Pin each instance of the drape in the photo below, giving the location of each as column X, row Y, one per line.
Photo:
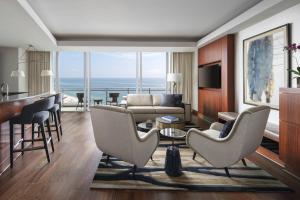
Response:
column 38, row 61
column 182, row 62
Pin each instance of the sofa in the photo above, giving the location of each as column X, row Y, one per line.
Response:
column 147, row 106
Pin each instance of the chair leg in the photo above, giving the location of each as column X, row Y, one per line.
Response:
column 227, row 172
column 11, row 144
column 22, row 136
column 45, row 141
column 59, row 120
column 50, row 134
column 244, row 162
column 32, row 133
column 194, row 155
column 134, row 171
column 39, row 131
column 56, row 126
column 107, row 159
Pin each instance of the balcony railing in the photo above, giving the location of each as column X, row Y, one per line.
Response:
column 70, row 95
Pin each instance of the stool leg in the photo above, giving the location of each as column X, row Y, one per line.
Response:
column 32, row 133
column 58, row 116
column 50, row 134
column 56, row 126
column 22, row 136
column 11, row 144
column 45, row 141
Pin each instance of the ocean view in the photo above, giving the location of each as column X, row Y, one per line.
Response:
column 99, row 86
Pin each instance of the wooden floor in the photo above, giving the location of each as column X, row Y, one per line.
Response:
column 74, row 163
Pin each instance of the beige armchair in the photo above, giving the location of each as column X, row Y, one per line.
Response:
column 116, row 135
column 244, row 138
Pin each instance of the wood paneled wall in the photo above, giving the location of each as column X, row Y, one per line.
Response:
column 211, row 101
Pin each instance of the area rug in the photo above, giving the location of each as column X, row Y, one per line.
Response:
column 198, row 175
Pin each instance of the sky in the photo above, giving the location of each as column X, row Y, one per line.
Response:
column 112, row 64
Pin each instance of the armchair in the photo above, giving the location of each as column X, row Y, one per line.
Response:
column 116, row 134
column 243, row 139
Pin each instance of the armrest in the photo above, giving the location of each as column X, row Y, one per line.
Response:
column 187, row 112
column 149, row 134
column 203, row 135
column 216, row 126
column 123, row 104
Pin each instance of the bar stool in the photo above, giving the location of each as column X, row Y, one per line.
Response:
column 36, row 112
column 55, row 112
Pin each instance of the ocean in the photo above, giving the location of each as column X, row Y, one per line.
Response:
column 101, row 87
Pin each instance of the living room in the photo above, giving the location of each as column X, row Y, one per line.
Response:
column 149, row 99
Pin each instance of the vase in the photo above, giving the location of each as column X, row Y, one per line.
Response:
column 298, row 82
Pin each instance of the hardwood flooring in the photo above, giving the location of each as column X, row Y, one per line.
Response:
column 74, row 163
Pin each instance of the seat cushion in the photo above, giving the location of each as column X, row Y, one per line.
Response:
column 142, row 109
column 40, row 117
column 139, row 100
column 168, row 110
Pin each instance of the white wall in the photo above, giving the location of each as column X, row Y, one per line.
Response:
column 8, row 62
column 291, row 15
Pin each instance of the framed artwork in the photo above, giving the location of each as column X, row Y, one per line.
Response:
column 265, row 67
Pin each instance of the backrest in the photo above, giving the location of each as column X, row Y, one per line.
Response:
column 114, row 96
column 114, row 131
column 80, row 97
column 248, row 130
column 139, row 100
column 156, row 99
column 28, row 111
column 58, row 98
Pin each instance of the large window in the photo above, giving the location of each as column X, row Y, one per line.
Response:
column 71, row 76
column 112, row 73
column 99, row 74
column 154, row 72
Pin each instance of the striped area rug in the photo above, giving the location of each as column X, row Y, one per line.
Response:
column 198, row 175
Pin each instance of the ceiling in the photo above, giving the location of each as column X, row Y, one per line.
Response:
column 178, row 20
column 17, row 29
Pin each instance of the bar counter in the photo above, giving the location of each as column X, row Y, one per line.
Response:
column 9, row 107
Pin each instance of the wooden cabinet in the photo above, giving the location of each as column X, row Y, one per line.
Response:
column 289, row 138
column 212, row 101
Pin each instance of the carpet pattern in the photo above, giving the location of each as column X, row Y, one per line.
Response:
column 198, row 175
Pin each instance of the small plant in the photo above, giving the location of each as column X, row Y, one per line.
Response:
column 293, row 48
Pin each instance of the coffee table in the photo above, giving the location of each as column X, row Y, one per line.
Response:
column 162, row 124
column 173, row 161
column 142, row 127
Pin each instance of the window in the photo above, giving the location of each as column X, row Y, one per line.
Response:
column 154, row 72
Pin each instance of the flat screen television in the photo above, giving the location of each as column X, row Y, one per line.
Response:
column 209, row 76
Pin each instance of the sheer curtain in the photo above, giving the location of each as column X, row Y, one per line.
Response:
column 38, row 61
column 182, row 62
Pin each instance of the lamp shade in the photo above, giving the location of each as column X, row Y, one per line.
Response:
column 174, row 77
column 46, row 73
column 17, row 73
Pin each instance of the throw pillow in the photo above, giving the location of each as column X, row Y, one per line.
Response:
column 171, row 100
column 167, row 100
column 226, row 129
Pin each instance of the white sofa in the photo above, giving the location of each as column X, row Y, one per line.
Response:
column 147, row 106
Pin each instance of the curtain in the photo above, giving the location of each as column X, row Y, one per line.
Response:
column 37, row 62
column 182, row 62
